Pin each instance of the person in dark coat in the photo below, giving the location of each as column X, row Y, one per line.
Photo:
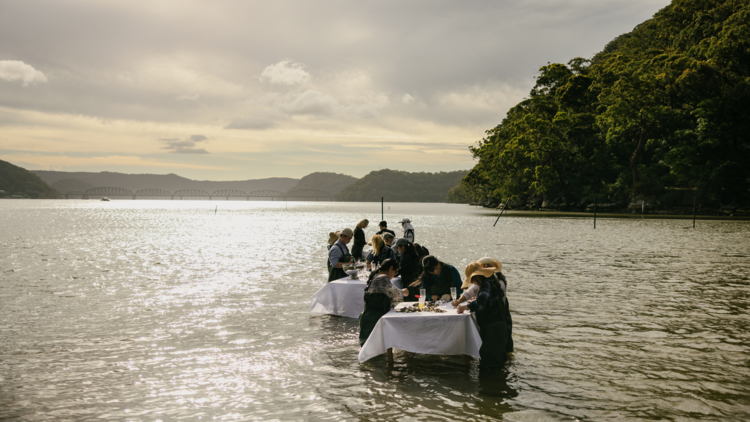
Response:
column 384, row 228
column 409, row 269
column 489, row 310
column 438, row 277
column 489, row 262
column 380, row 297
column 359, row 239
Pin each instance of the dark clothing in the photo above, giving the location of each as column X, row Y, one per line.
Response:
column 338, row 273
column 376, row 305
column 489, row 310
column 384, row 231
column 384, row 254
column 508, row 319
column 441, row 285
column 409, row 272
column 359, row 243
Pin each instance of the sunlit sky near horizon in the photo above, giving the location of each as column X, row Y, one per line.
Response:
column 235, row 90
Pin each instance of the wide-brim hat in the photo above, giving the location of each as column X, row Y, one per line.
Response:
column 489, row 262
column 405, row 220
column 475, row 268
column 333, row 237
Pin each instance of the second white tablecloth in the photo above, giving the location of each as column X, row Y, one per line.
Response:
column 429, row 333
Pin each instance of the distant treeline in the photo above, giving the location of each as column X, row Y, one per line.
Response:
column 401, row 186
column 664, row 107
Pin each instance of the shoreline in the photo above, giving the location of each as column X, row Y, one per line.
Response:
column 590, row 214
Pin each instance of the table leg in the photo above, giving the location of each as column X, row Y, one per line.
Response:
column 467, row 360
column 390, row 356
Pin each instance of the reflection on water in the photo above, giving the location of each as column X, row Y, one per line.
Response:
column 166, row 310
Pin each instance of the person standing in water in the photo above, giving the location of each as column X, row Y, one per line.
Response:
column 339, row 255
column 380, row 297
column 359, row 239
column 489, row 310
column 384, row 228
column 408, row 229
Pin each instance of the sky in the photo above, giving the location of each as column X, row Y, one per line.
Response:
column 235, row 90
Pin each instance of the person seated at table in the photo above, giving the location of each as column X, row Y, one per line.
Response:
column 489, row 310
column 409, row 269
column 470, row 290
column 380, row 297
column 380, row 252
column 359, row 239
column 384, row 229
column 339, row 255
column 489, row 262
column 438, row 278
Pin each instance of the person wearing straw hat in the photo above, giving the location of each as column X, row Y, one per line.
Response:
column 408, row 229
column 339, row 255
column 470, row 289
column 489, row 262
column 489, row 310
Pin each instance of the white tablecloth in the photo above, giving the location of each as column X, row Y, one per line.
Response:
column 342, row 297
column 449, row 333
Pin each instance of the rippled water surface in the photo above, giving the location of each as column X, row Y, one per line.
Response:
column 147, row 310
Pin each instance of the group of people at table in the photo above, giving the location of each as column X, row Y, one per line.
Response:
column 483, row 290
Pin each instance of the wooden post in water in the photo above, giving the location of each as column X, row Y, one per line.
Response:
column 381, row 210
column 595, row 211
column 501, row 212
column 693, row 211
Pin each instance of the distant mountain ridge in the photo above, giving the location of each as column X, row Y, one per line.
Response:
column 170, row 182
column 402, row 186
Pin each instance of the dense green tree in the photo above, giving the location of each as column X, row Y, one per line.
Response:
column 666, row 105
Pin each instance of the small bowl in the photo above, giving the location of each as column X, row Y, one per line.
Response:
column 352, row 273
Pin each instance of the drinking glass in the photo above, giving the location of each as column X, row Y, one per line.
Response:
column 422, row 295
column 453, row 293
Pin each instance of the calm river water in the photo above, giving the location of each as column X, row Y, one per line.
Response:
column 166, row 310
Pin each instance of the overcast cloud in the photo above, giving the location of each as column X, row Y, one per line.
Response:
column 281, row 88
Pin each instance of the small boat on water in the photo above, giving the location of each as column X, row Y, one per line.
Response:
column 105, row 199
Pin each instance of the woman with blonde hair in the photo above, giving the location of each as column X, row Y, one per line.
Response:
column 359, row 239
column 380, row 251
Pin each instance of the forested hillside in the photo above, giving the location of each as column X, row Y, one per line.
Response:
column 325, row 181
column 401, row 186
column 17, row 181
column 660, row 114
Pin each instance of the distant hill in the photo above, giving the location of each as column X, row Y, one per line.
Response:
column 170, row 182
column 402, row 186
column 15, row 180
column 69, row 185
column 329, row 182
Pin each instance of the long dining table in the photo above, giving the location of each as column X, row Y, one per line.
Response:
column 448, row 333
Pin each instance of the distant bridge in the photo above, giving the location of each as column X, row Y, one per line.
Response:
column 197, row 193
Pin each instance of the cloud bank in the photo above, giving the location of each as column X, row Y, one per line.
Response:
column 184, row 146
column 15, row 70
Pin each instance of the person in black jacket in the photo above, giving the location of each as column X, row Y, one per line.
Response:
column 359, row 239
column 409, row 269
column 384, row 229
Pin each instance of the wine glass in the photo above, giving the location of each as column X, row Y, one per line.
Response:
column 453, row 293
